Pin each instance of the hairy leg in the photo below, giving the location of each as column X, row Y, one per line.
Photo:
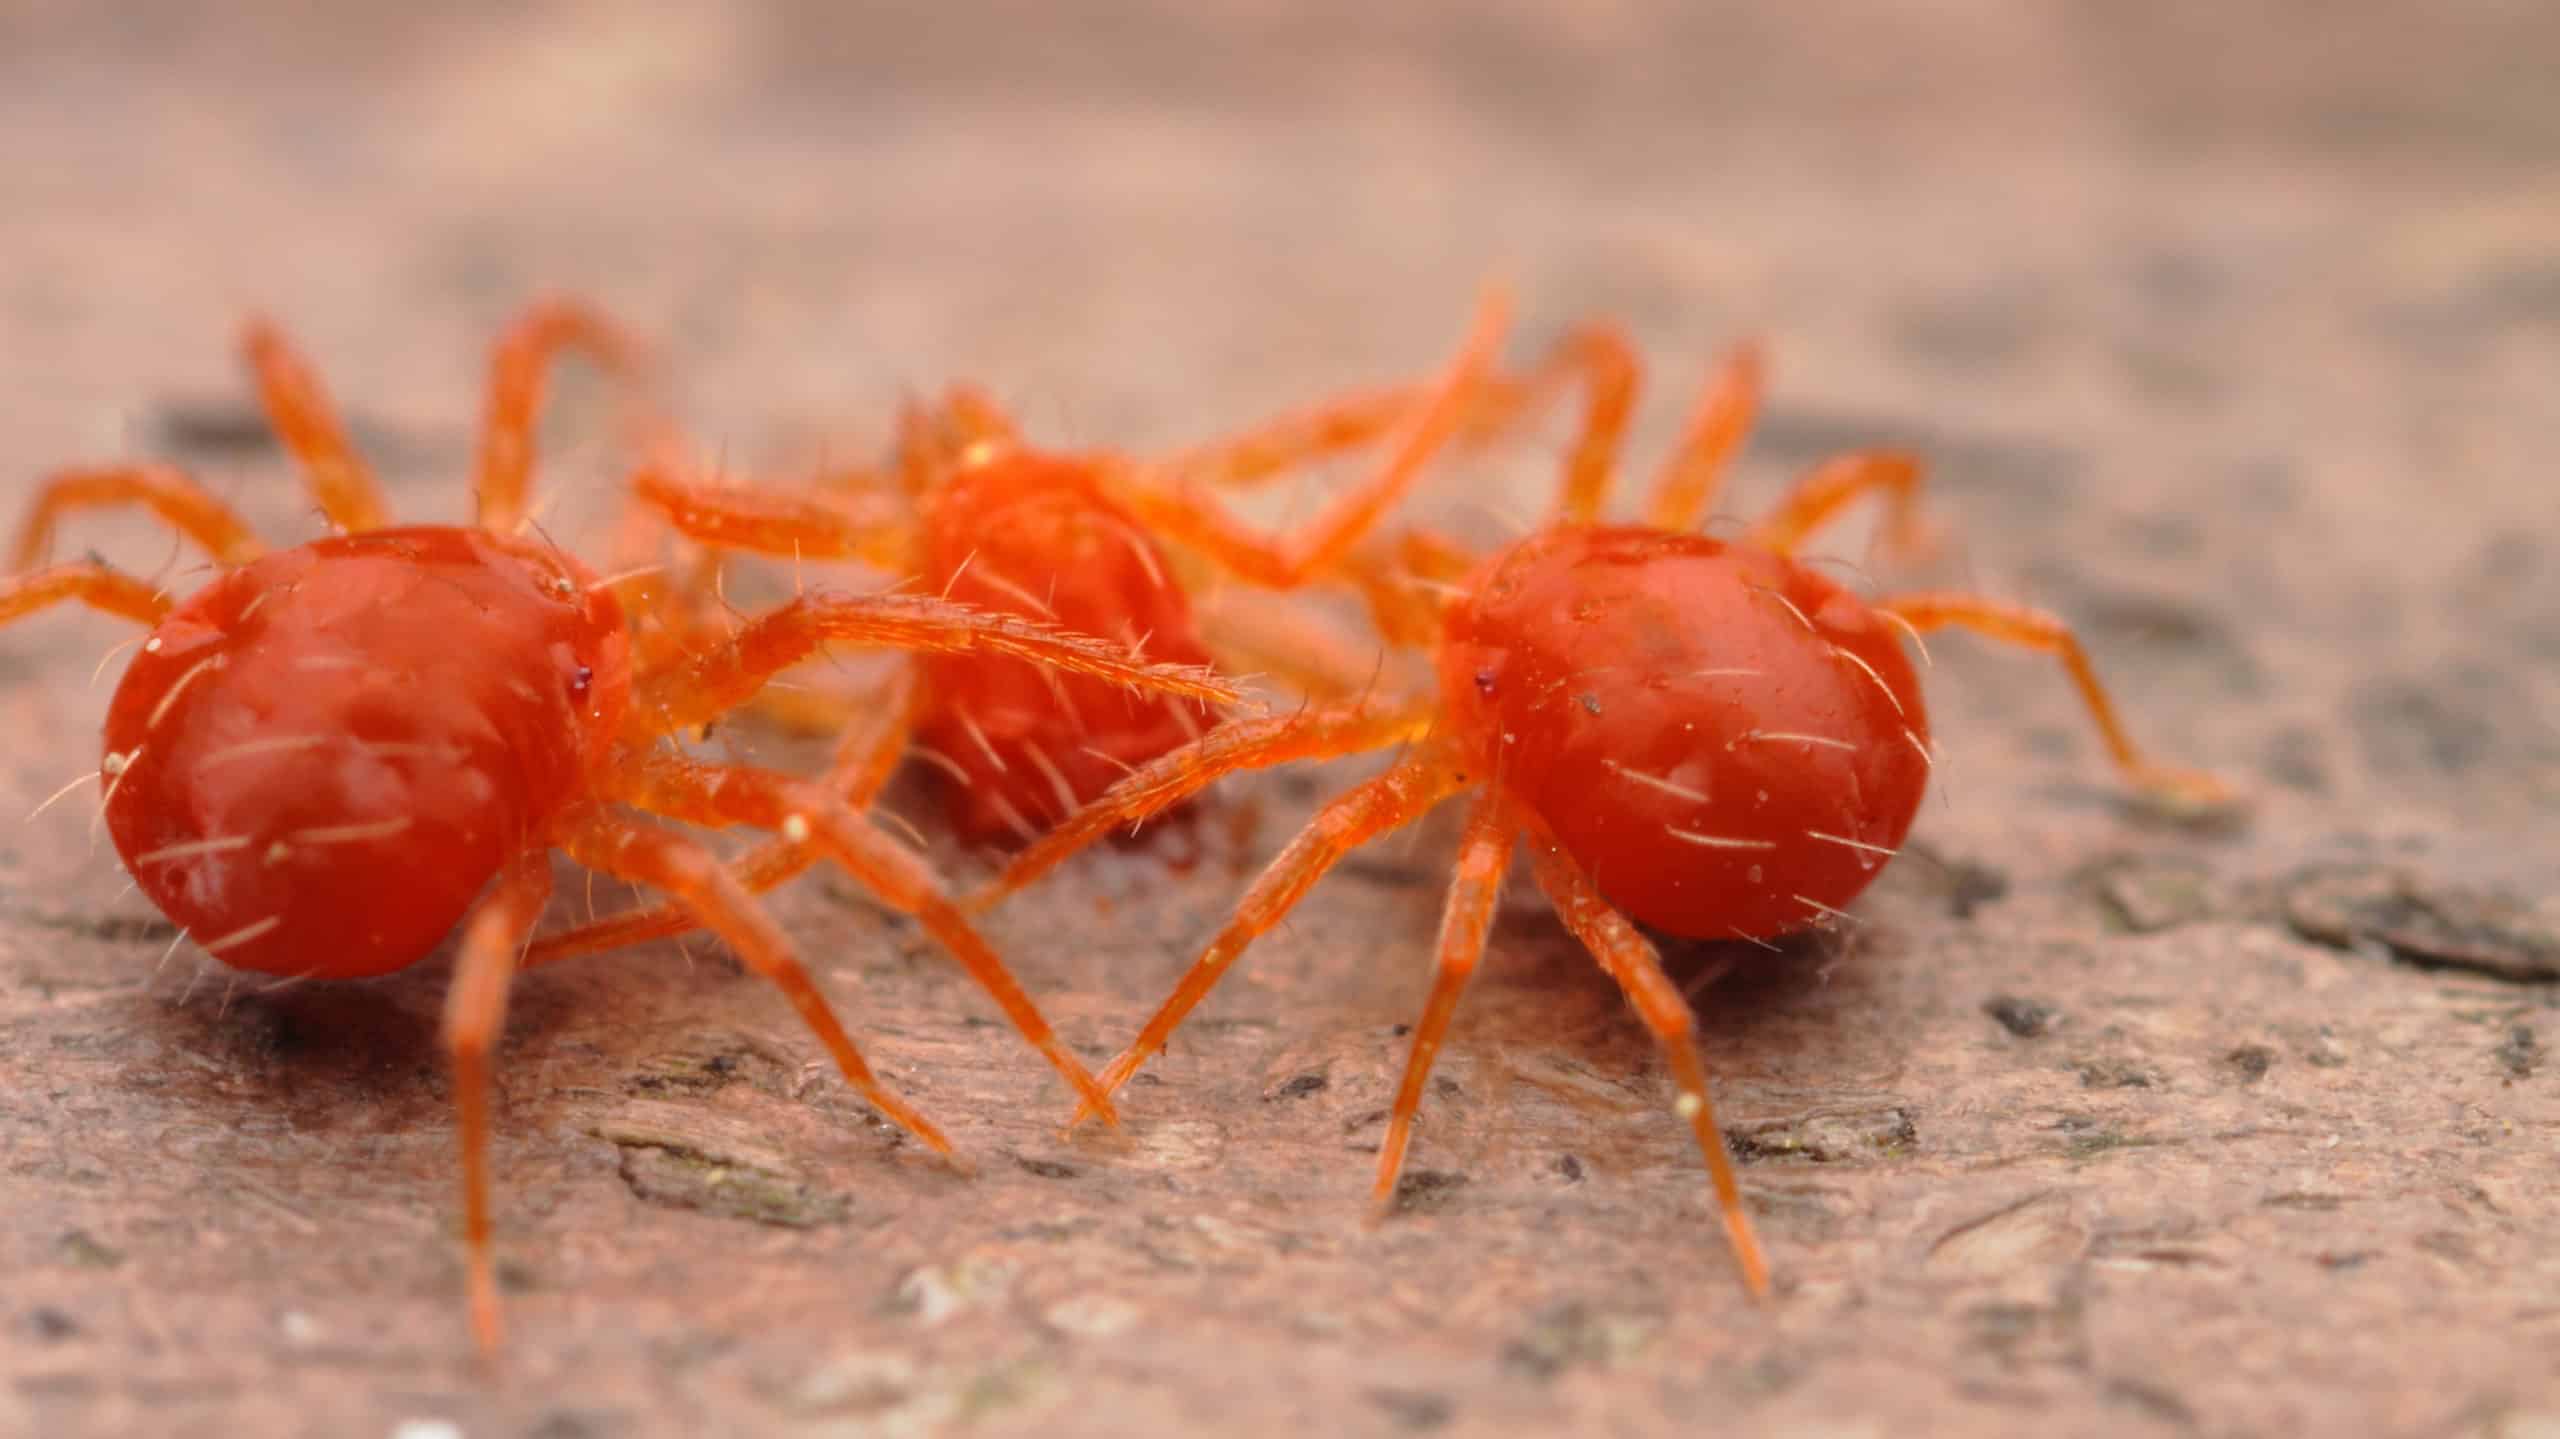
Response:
column 865, row 757
column 721, row 795
column 2036, row 630
column 1691, row 477
column 1404, row 793
column 1174, row 776
column 1484, row 855
column 309, row 426
column 518, row 371
column 663, row 859
column 696, row 689
column 179, row 500
column 100, row 587
column 1630, row 960
column 475, row 1013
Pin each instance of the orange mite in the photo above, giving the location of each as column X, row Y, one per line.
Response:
column 331, row 755
column 975, row 515
column 1703, row 736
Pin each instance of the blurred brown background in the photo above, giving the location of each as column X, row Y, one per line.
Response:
column 2236, row 338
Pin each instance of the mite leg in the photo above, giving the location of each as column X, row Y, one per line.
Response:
column 1817, row 499
column 518, row 371
column 1599, row 359
column 1189, row 516
column 1404, row 793
column 1260, row 633
column 2036, row 630
column 695, row 689
column 1178, row 774
column 1483, row 856
column 1630, row 960
column 722, row 795
column 874, row 527
column 1687, row 487
column 663, row 859
column 109, row 591
column 1408, row 584
column 475, row 1013
column 1595, row 358
column 1277, row 446
column 309, row 426
column 177, row 498
column 865, row 757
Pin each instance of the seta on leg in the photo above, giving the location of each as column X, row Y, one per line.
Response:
column 1174, row 776
column 177, row 498
column 2034, row 629
column 696, row 689
column 866, row 755
column 1484, row 855
column 1630, row 959
column 519, row 368
column 1693, row 475
column 663, row 859
column 475, row 1014
column 308, row 424
column 99, row 586
column 718, row 796
column 1401, row 795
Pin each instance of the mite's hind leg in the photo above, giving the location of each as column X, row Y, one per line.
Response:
column 1189, row 516
column 695, row 689
column 1630, row 959
column 518, row 370
column 1404, row 793
column 1817, row 499
column 665, row 860
column 177, row 498
column 1718, row 422
column 308, row 424
column 2036, row 630
column 865, row 757
column 100, row 587
column 475, row 1014
column 722, row 795
column 1174, row 776
column 1484, row 854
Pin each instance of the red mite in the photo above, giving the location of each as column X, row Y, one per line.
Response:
column 973, row 514
column 331, row 755
column 1710, row 738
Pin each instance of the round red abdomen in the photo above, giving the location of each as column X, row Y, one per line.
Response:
column 1029, row 534
column 318, row 761
column 1728, row 742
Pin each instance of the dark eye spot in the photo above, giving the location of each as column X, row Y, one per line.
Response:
column 1485, row 681
column 579, row 679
